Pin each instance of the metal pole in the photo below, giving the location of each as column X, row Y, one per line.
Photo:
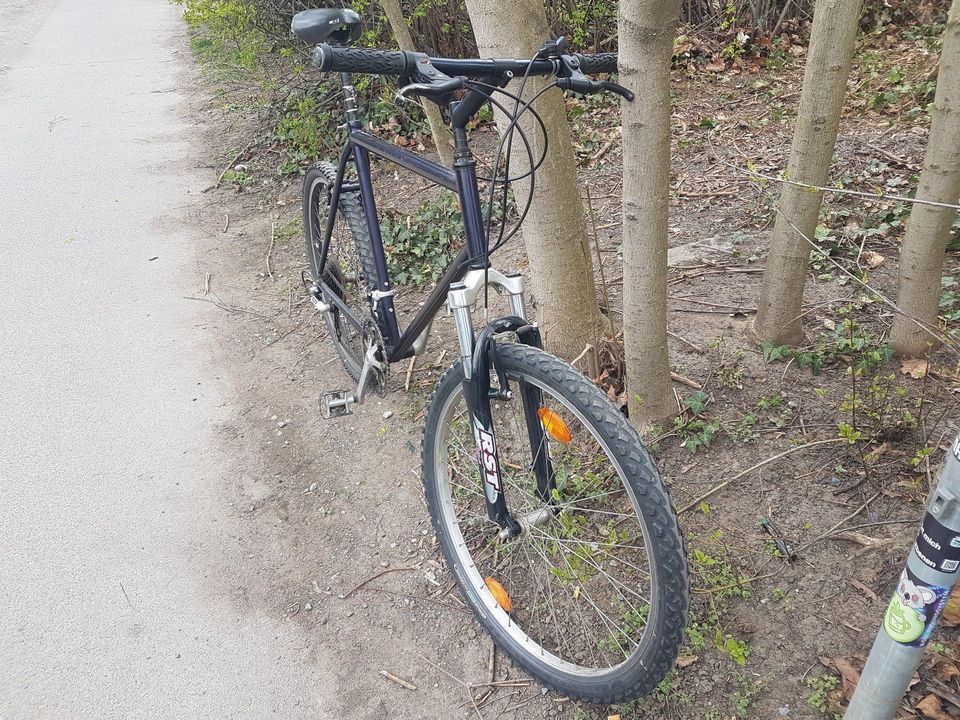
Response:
column 923, row 589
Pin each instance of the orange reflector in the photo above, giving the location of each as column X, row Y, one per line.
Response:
column 554, row 425
column 499, row 594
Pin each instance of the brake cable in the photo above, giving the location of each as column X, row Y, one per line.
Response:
column 497, row 179
column 504, row 238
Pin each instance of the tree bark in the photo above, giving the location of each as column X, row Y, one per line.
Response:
column 555, row 230
column 646, row 32
column 928, row 230
column 442, row 137
column 818, row 118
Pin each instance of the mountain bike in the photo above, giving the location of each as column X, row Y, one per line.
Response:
column 549, row 511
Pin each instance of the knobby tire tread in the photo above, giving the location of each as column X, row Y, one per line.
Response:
column 352, row 210
column 668, row 620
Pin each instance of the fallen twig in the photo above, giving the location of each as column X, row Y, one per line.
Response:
column 720, row 486
column 706, row 311
column 890, row 156
column 943, row 691
column 606, row 148
column 696, row 348
column 413, row 361
column 832, row 530
column 398, row 680
column 231, row 164
column 684, row 380
column 715, row 193
column 745, row 581
column 457, row 680
column 731, row 308
column 519, row 705
column 724, row 271
column 376, row 575
column 124, row 591
column 273, row 228
column 426, row 598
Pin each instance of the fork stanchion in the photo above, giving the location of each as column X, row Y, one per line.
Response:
column 923, row 589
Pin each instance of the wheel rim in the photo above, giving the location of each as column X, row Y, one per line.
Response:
column 343, row 271
column 580, row 606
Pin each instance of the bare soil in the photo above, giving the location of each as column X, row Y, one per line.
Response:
column 333, row 510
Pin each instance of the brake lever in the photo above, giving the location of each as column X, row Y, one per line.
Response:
column 430, row 90
column 613, row 87
column 585, row 87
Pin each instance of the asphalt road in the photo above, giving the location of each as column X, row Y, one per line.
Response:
column 116, row 550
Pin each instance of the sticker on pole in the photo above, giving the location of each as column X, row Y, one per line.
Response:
column 937, row 546
column 956, row 447
column 914, row 610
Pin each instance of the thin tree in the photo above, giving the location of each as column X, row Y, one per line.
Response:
column 928, row 231
column 831, row 49
column 646, row 32
column 555, row 230
column 438, row 128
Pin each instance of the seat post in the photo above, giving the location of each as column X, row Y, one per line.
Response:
column 349, row 99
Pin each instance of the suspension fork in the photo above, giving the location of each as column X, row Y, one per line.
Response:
column 479, row 358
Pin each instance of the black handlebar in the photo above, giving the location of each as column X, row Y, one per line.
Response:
column 599, row 63
column 400, row 63
column 361, row 60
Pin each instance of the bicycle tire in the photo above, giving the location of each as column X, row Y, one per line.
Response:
column 317, row 185
column 662, row 636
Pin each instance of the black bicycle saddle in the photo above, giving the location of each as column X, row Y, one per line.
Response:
column 337, row 26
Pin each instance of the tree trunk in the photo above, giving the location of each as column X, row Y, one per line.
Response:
column 438, row 128
column 555, row 230
column 928, row 231
column 646, row 31
column 818, row 117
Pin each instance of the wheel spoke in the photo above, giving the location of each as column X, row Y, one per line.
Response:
column 560, row 571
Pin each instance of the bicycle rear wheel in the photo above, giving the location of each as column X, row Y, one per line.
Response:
column 349, row 270
column 596, row 583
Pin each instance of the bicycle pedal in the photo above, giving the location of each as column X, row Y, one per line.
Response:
column 336, row 403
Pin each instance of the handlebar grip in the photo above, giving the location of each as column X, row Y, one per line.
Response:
column 361, row 60
column 599, row 63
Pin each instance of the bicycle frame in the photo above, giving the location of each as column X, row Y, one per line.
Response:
column 466, row 276
column 462, row 179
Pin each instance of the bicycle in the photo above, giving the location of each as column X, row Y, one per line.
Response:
column 549, row 511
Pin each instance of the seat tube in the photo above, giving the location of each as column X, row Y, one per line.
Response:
column 383, row 296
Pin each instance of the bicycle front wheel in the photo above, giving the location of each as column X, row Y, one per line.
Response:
column 591, row 598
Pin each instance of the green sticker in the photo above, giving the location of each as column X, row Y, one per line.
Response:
column 914, row 610
column 901, row 622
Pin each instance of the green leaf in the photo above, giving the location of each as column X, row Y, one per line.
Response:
column 696, row 402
